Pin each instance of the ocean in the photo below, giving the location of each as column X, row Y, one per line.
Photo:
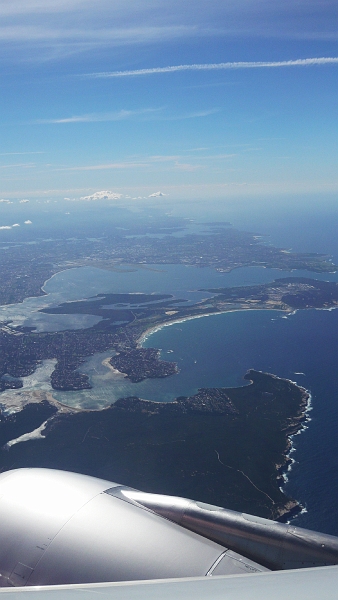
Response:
column 216, row 351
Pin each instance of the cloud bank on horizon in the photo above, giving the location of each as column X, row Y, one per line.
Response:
column 157, row 195
column 109, row 195
column 103, row 195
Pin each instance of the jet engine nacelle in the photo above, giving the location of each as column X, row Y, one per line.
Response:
column 63, row 528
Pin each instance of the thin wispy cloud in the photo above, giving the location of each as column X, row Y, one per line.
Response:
column 41, row 30
column 18, row 153
column 193, row 115
column 300, row 62
column 24, row 165
column 103, row 167
column 123, row 115
column 22, row 7
column 120, row 115
column 148, row 162
column 58, row 42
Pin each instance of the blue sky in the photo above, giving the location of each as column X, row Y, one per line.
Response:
column 88, row 103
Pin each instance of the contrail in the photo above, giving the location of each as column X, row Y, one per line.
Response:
column 300, row 62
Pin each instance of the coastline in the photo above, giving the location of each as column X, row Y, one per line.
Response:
column 290, row 461
column 119, row 374
column 154, row 328
column 297, row 426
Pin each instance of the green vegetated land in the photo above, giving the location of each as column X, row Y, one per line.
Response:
column 223, row 446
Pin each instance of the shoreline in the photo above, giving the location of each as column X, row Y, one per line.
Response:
column 286, row 313
column 290, row 461
column 154, row 328
column 294, row 507
column 106, row 363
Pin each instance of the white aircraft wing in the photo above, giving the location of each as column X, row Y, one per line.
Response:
column 65, row 536
column 320, row 583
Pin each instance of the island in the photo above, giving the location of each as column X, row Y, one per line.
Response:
column 226, row 446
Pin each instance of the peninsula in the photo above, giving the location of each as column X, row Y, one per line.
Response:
column 228, row 446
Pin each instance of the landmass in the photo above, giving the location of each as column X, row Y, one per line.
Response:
column 25, row 267
column 127, row 317
column 282, row 294
column 226, row 446
column 223, row 446
column 142, row 363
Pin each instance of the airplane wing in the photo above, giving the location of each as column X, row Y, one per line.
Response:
column 64, row 534
column 319, row 583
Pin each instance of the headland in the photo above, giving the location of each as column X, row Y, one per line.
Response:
column 223, row 445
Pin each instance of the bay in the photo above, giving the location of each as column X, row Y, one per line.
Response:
column 217, row 351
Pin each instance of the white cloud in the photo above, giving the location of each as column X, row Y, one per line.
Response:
column 18, row 153
column 146, row 162
column 23, row 201
column 10, row 226
column 103, row 195
column 191, row 115
column 4, row 201
column 157, row 195
column 120, row 115
column 300, row 62
column 61, row 40
column 55, row 29
column 28, row 222
column 124, row 165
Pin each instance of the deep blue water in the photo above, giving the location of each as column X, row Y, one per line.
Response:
column 225, row 346
column 218, row 350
